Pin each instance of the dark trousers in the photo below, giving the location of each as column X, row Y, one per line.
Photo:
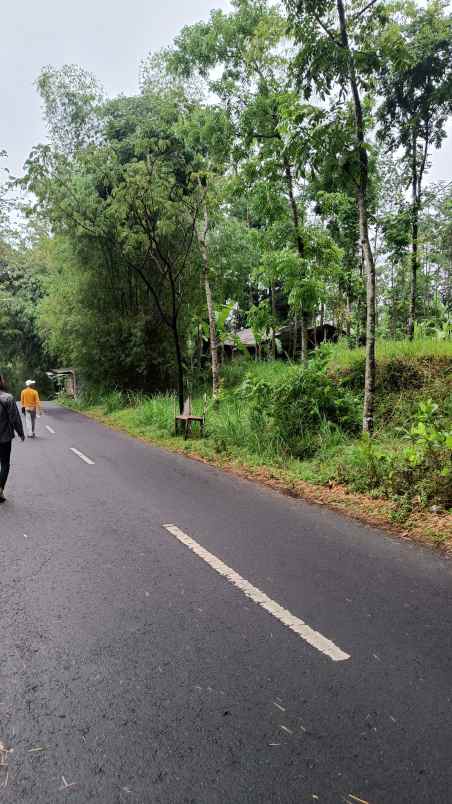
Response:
column 5, row 456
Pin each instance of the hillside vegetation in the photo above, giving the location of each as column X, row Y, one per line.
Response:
column 271, row 175
column 266, row 190
column 305, row 421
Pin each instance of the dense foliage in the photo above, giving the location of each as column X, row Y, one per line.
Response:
column 302, row 424
column 293, row 409
column 271, row 173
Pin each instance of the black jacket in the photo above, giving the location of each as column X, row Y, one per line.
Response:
column 9, row 418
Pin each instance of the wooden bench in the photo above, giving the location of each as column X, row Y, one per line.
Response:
column 187, row 418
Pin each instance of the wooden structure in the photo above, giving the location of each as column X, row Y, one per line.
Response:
column 321, row 333
column 186, row 418
column 286, row 336
column 248, row 341
column 66, row 379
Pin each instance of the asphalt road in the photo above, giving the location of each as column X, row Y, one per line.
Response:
column 141, row 664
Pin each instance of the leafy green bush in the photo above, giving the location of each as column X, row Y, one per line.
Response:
column 423, row 471
column 307, row 418
column 416, row 476
column 294, row 408
column 365, row 466
column 228, row 426
column 397, row 374
column 232, row 373
column 85, row 399
column 157, row 413
column 113, row 401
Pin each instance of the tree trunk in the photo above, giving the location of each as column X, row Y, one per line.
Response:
column 393, row 325
column 414, row 243
column 202, row 240
column 301, row 251
column 369, row 383
column 273, row 312
column 294, row 208
column 348, row 322
column 361, row 310
column 295, row 337
column 449, row 288
column 180, row 366
column 200, row 349
column 304, row 336
column 300, row 247
column 213, row 338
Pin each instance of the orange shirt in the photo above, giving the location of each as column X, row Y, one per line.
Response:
column 29, row 398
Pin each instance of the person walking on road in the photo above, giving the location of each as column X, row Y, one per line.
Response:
column 10, row 422
column 31, row 406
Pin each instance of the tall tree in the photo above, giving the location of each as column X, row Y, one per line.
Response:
column 126, row 195
column 416, row 82
column 208, row 134
column 71, row 98
column 246, row 60
column 334, row 56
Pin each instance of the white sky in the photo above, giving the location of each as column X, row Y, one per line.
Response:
column 107, row 37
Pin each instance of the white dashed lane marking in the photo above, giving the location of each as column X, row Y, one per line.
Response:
column 304, row 631
column 82, row 456
column 50, row 429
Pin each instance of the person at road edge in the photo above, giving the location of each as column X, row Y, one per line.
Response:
column 31, row 406
column 10, row 422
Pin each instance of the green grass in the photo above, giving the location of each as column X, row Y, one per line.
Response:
column 408, row 372
column 234, row 373
column 342, row 357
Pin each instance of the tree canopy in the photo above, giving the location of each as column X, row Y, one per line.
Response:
column 271, row 173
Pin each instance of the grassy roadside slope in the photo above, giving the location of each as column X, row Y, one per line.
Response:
column 300, row 433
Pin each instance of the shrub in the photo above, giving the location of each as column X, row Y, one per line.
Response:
column 398, row 373
column 416, row 476
column 157, row 413
column 232, row 372
column 295, row 407
column 113, row 401
column 423, row 471
column 365, row 466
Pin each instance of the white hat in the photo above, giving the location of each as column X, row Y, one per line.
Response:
column 30, row 382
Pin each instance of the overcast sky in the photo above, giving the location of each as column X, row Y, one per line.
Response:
column 107, row 37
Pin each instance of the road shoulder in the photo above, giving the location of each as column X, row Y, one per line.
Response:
column 433, row 530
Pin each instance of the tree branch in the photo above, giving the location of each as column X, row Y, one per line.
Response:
column 363, row 10
column 424, row 161
column 327, row 31
column 149, row 285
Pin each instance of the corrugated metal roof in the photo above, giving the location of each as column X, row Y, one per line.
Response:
column 246, row 337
